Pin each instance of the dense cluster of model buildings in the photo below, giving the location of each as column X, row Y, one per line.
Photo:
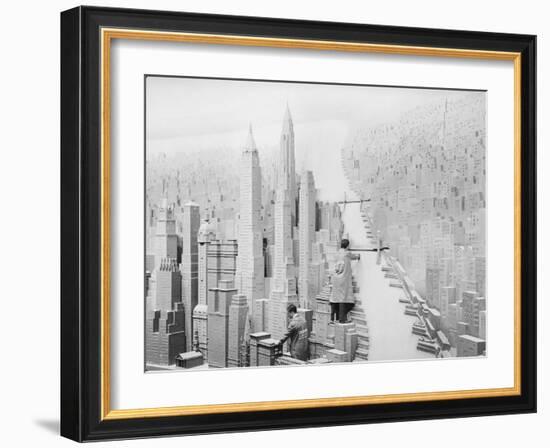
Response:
column 228, row 249
column 425, row 177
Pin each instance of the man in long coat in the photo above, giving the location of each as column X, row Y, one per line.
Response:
column 342, row 299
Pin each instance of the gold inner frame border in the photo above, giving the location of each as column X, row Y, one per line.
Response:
column 107, row 35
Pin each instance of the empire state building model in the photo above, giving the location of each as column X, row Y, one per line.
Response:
column 284, row 271
column 249, row 278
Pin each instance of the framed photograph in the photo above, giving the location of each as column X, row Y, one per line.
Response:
column 273, row 223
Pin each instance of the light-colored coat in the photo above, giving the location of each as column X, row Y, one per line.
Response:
column 342, row 289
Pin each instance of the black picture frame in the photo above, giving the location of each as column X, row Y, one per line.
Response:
column 81, row 224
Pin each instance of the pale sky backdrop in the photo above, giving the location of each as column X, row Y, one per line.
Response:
column 188, row 115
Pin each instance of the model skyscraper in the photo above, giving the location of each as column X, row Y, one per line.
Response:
column 249, row 278
column 206, row 234
column 189, row 267
column 283, row 289
column 286, row 170
column 218, row 323
column 238, row 330
column 165, row 326
column 306, row 238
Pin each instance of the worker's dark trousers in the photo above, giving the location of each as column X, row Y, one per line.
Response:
column 343, row 311
column 334, row 311
column 339, row 311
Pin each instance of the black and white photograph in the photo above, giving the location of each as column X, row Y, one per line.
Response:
column 298, row 224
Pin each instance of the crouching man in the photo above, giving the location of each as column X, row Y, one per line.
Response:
column 297, row 333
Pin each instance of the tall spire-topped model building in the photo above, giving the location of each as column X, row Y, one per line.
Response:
column 283, row 289
column 286, row 175
column 249, row 278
